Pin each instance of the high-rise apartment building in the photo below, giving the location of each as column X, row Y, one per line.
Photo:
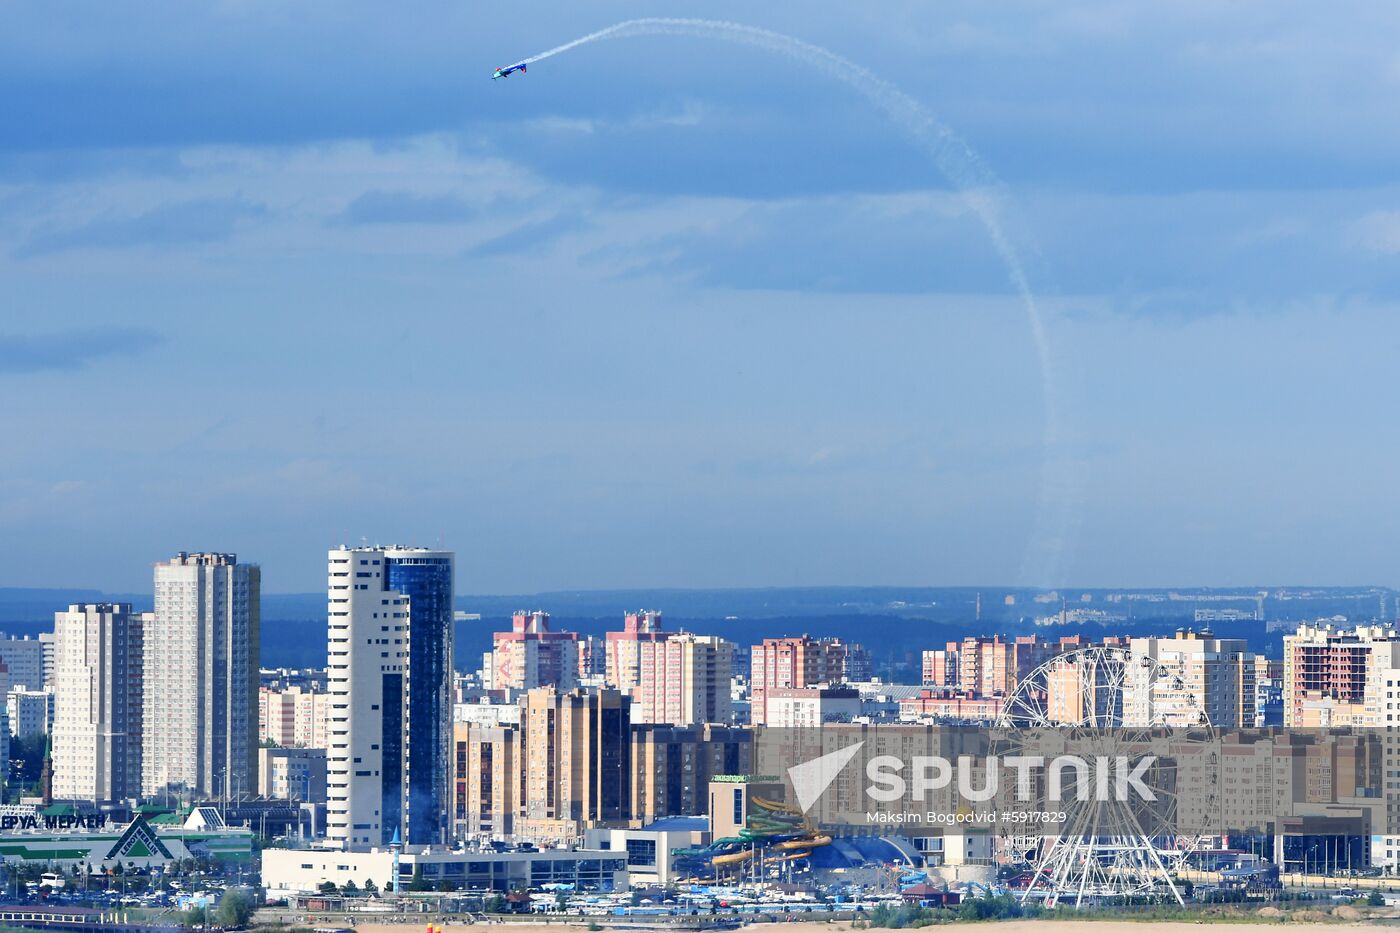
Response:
column 683, row 680
column 672, row 766
column 200, row 680
column 390, row 689
column 30, row 711
column 991, row 665
column 293, row 717
column 574, row 757
column 530, row 655
column 98, row 709
column 1268, row 691
column 623, row 648
column 4, row 733
column 48, row 651
column 592, row 660
column 487, row 786
column 802, row 661
column 1334, row 677
column 940, row 666
column 1199, row 678
column 27, row 658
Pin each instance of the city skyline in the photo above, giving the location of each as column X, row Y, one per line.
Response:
column 558, row 736
column 706, row 320
column 638, row 466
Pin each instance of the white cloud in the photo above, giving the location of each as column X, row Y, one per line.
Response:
column 1379, row 232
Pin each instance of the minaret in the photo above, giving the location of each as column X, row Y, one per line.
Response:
column 46, row 775
column 395, row 847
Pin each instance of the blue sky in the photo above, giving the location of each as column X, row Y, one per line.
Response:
column 667, row 311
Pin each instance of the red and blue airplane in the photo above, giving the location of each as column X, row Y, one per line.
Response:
column 505, row 72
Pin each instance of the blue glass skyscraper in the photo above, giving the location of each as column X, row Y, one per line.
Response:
column 390, row 679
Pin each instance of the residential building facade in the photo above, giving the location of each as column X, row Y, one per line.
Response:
column 530, row 655
column 292, row 774
column 683, row 680
column 574, row 748
column 1189, row 679
column 1335, row 677
column 99, row 715
column 802, row 661
column 200, row 679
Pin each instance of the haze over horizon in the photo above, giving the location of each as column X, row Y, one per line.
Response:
column 671, row 313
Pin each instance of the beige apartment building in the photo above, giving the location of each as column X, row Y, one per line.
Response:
column 563, row 770
column 487, row 786
column 1198, row 678
column 574, row 751
column 294, row 717
column 671, row 767
column 684, row 680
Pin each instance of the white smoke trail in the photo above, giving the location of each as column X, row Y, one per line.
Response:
column 985, row 194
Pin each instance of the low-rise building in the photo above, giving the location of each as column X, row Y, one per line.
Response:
column 651, row 850
column 879, row 701
column 944, row 705
column 292, row 774
column 486, row 714
column 811, row 706
column 298, row 871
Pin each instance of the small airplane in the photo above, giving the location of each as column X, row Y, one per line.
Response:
column 505, row 72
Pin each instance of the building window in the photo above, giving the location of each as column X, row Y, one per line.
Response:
column 641, row 852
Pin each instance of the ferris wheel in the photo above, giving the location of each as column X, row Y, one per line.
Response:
column 1104, row 704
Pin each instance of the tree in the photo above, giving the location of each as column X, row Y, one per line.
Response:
column 988, row 908
column 495, row 904
column 26, row 761
column 328, row 888
column 418, row 883
column 235, row 908
column 371, row 887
